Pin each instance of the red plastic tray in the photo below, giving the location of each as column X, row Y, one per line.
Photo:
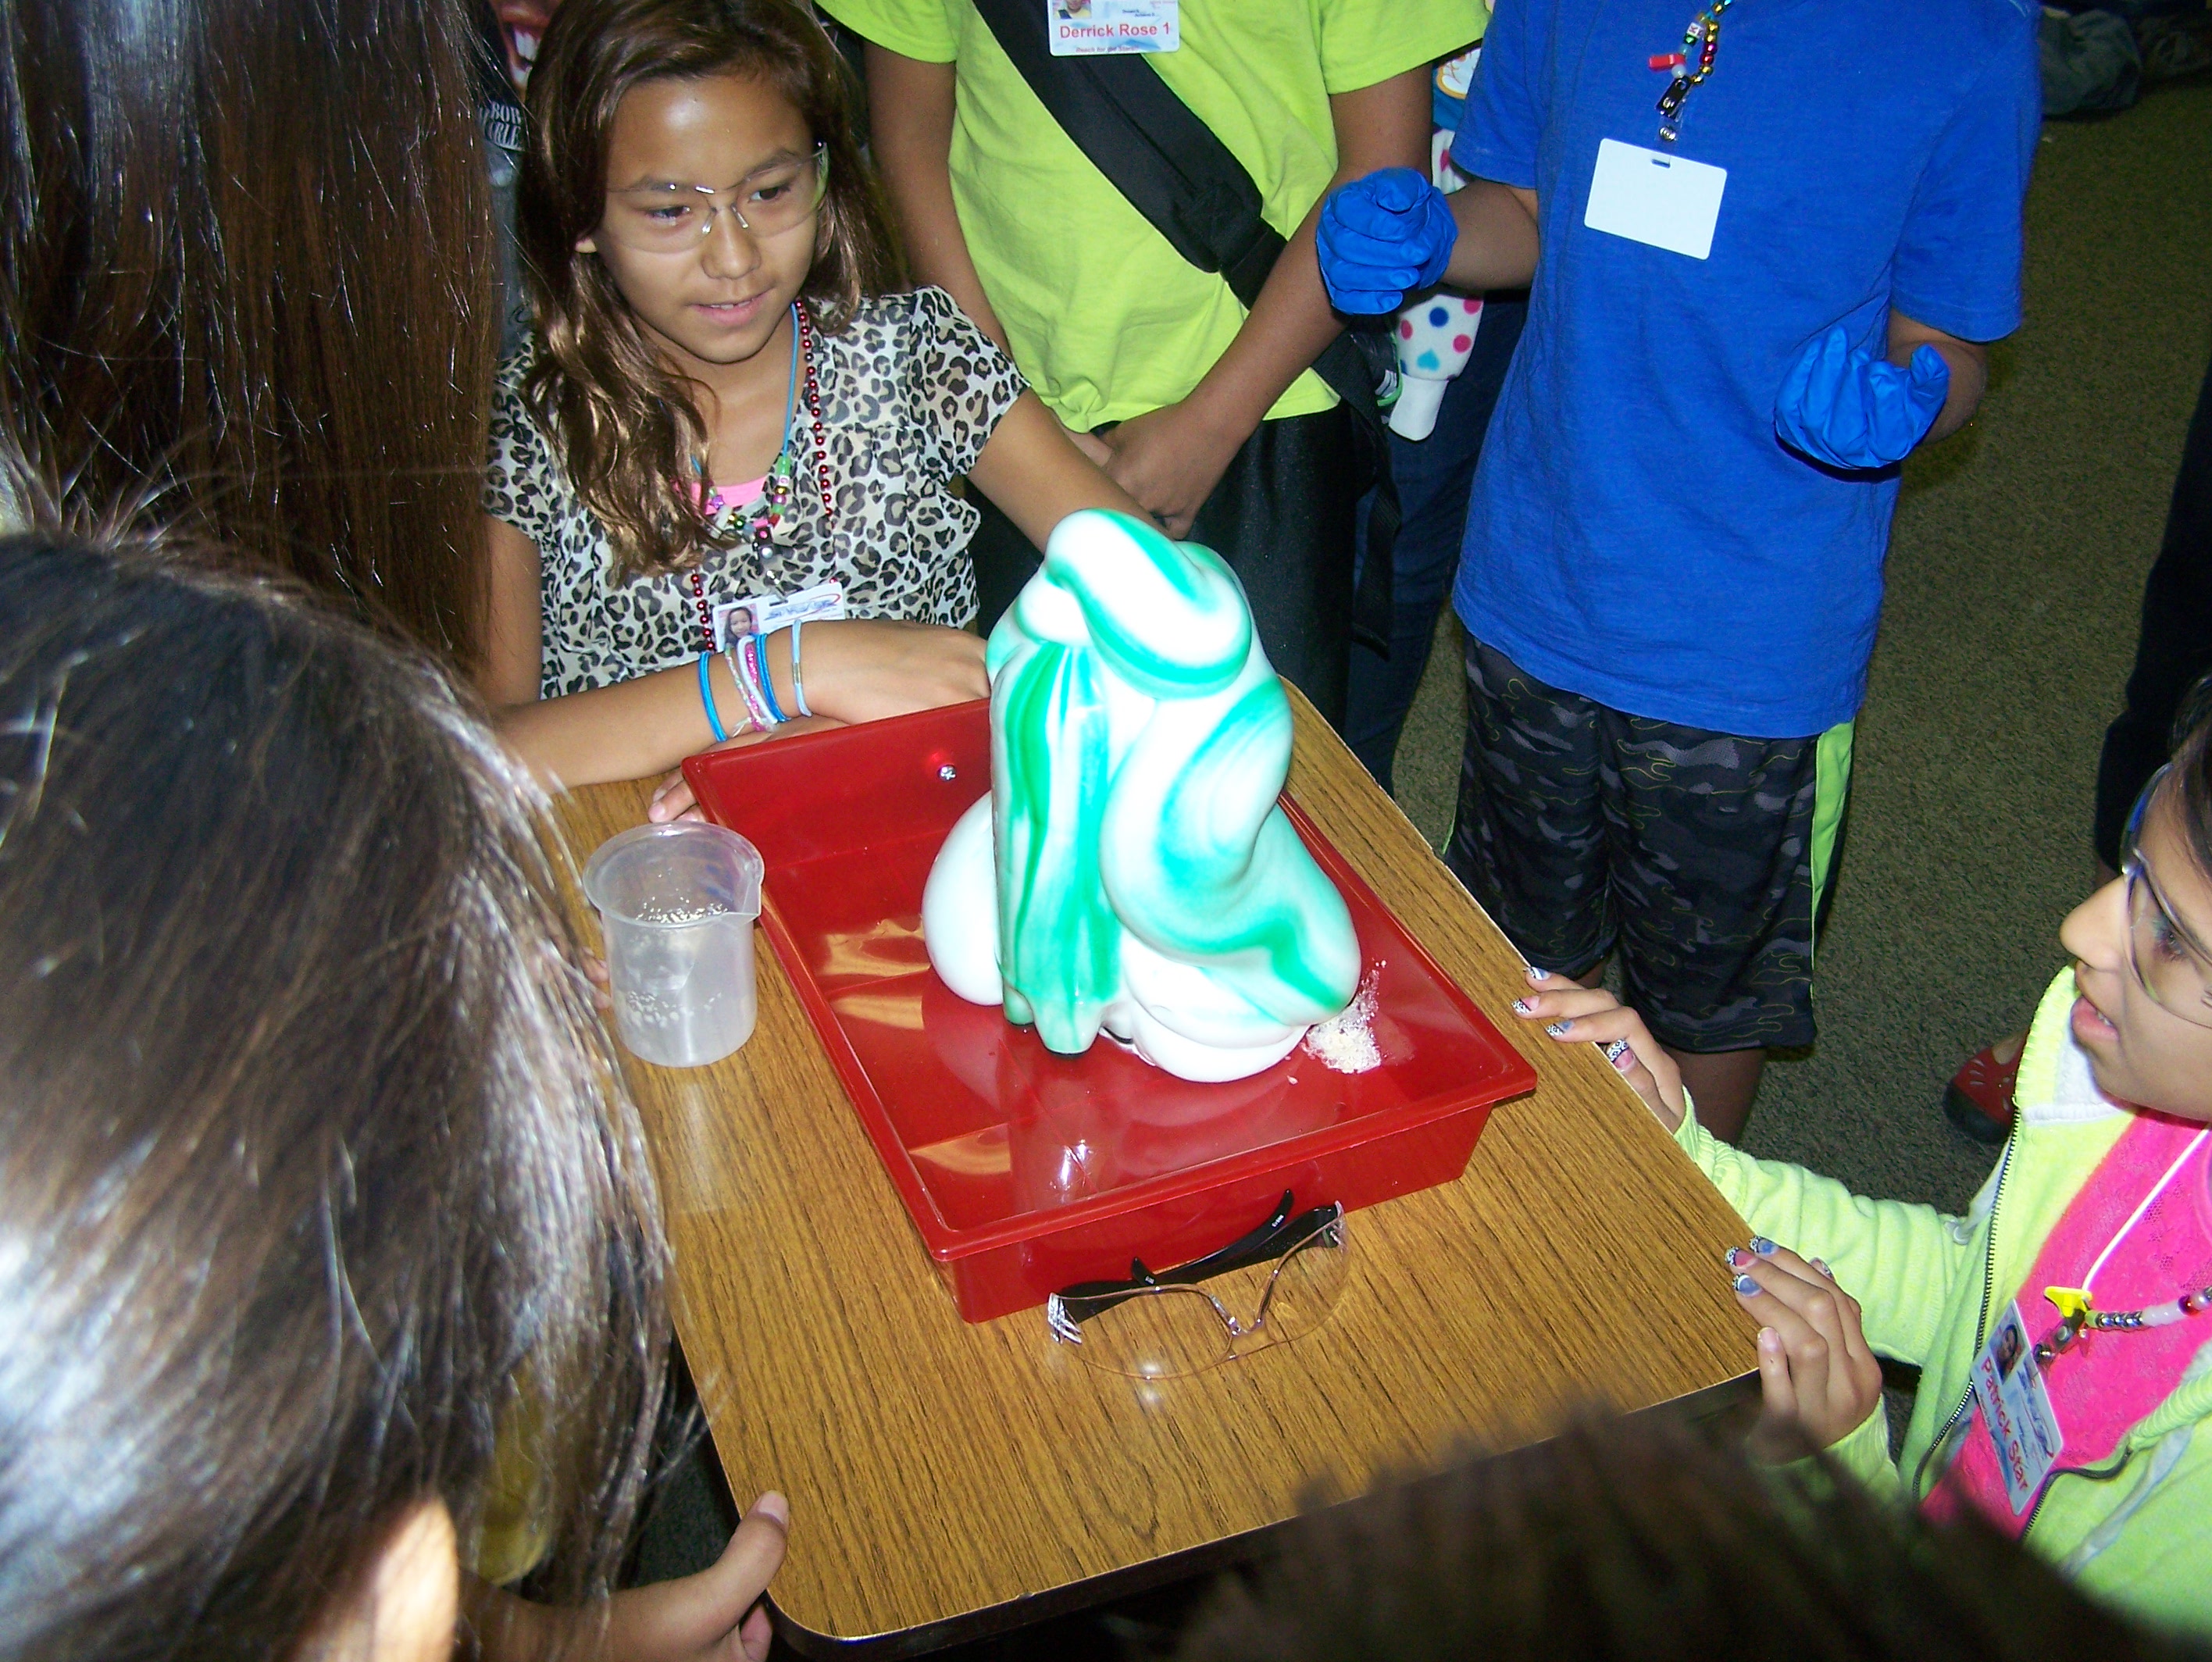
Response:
column 1025, row 1171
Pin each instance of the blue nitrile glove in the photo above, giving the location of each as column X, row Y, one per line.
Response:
column 1381, row 238
column 1853, row 409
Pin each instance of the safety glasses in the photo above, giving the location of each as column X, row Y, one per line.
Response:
column 1288, row 1273
column 661, row 219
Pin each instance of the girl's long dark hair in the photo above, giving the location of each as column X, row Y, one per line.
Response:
column 248, row 275
column 626, row 426
column 316, row 1175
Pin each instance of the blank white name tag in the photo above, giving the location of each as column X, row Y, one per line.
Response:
column 1667, row 201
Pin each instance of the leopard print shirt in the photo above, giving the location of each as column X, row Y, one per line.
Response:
column 911, row 391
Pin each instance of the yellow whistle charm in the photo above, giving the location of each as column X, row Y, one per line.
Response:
column 2072, row 1303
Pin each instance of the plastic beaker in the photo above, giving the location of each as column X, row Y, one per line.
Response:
column 677, row 904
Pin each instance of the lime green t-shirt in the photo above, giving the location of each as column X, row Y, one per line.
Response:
column 1105, row 319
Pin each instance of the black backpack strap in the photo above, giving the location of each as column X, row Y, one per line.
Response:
column 1173, row 169
column 1151, row 145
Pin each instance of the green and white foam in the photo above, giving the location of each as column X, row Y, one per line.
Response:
column 1131, row 872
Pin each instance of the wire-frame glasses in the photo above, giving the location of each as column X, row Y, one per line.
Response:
column 2170, row 963
column 1288, row 1273
column 662, row 219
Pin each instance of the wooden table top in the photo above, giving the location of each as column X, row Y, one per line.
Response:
column 948, row 1479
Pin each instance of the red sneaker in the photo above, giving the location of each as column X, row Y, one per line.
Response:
column 1979, row 1099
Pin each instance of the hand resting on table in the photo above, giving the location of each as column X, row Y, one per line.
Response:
column 1817, row 1381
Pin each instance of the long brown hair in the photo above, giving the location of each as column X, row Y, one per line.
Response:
column 249, row 276
column 315, row 1167
column 626, row 426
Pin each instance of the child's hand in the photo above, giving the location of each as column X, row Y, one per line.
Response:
column 865, row 669
column 672, row 798
column 716, row 1614
column 1576, row 1015
column 1381, row 238
column 1169, row 460
column 1855, row 409
column 1817, row 1378
column 602, row 980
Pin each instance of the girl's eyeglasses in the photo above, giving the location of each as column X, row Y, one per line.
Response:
column 2169, row 963
column 1161, row 1326
column 662, row 219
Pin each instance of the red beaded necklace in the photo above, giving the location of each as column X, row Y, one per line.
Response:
column 805, row 326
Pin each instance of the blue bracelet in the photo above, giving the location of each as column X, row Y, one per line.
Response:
column 707, row 697
column 768, row 681
column 798, row 685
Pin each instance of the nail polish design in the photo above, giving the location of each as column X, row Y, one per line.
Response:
column 1735, row 1257
column 1821, row 1265
column 1616, row 1049
column 1745, row 1285
column 1762, row 1245
column 1560, row 1028
column 1522, row 1007
column 1536, row 974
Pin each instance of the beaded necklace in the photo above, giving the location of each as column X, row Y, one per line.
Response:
column 1701, row 40
column 2073, row 1304
column 777, row 489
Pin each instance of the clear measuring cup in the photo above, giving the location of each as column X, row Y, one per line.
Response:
column 677, row 904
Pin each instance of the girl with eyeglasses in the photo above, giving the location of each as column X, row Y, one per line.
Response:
column 2063, row 1326
column 722, row 471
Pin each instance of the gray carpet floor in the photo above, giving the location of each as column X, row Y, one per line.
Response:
column 2016, row 576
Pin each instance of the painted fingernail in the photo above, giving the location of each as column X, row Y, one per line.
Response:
column 1560, row 1028
column 1536, row 974
column 1745, row 1285
column 1762, row 1245
column 1522, row 1007
column 1736, row 1257
column 1822, row 1266
column 1615, row 1051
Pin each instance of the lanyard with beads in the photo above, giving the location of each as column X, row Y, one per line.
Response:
column 1701, row 43
column 2074, row 1304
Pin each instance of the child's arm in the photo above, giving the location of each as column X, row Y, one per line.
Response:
column 1032, row 469
column 1967, row 361
column 855, row 669
column 1901, row 1260
column 1392, row 233
column 514, row 623
column 1170, row 459
column 910, row 108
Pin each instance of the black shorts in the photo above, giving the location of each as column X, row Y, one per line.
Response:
column 1700, row 858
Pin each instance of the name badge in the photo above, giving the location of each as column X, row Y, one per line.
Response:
column 2016, row 1409
column 1665, row 201
column 764, row 613
column 1089, row 29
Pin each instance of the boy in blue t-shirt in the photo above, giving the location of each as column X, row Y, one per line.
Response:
column 1760, row 269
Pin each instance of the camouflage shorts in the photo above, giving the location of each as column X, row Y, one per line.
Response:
column 1700, row 858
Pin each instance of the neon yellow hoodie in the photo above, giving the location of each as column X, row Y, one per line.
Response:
column 2136, row 1531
